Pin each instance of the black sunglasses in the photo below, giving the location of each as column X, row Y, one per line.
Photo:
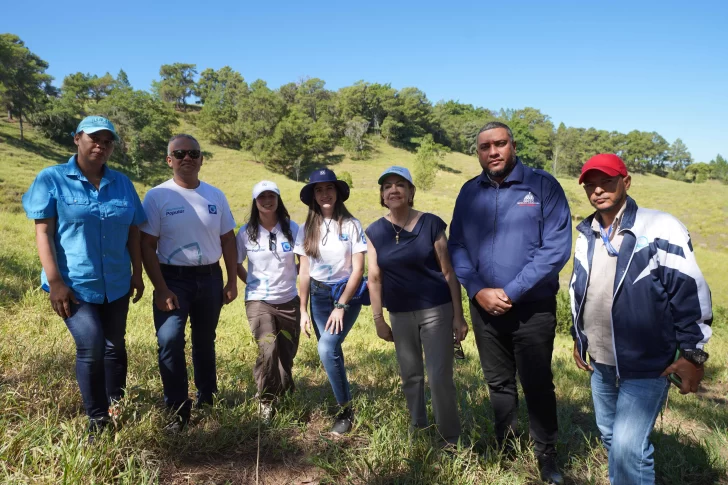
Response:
column 272, row 241
column 180, row 154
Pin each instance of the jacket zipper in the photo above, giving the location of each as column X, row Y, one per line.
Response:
column 583, row 298
column 495, row 228
column 611, row 316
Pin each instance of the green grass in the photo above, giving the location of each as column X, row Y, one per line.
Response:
column 42, row 422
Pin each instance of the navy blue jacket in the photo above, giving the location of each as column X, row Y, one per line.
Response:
column 515, row 236
column 661, row 301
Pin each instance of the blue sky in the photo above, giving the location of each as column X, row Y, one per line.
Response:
column 652, row 66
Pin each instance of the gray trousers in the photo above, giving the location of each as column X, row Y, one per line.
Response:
column 431, row 330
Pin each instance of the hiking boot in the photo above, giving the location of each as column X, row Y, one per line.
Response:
column 180, row 418
column 266, row 412
column 343, row 422
column 549, row 471
column 204, row 401
column 177, row 424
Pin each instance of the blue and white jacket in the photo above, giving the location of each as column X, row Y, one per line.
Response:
column 661, row 301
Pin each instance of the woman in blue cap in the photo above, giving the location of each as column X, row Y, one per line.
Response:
column 331, row 245
column 86, row 229
column 410, row 273
column 271, row 299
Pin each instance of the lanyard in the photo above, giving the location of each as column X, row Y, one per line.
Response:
column 605, row 238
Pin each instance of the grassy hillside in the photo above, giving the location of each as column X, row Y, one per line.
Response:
column 41, row 423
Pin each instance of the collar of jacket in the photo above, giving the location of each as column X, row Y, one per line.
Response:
column 628, row 219
column 516, row 176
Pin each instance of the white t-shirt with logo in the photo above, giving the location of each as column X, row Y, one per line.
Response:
column 334, row 265
column 271, row 274
column 188, row 223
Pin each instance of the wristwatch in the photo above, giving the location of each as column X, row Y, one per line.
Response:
column 341, row 306
column 696, row 356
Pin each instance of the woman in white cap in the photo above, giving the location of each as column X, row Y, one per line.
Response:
column 271, row 299
column 87, row 219
column 331, row 245
column 410, row 273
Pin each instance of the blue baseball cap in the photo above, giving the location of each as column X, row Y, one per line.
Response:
column 323, row 175
column 395, row 170
column 92, row 124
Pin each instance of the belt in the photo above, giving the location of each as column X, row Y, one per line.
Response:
column 190, row 270
column 318, row 284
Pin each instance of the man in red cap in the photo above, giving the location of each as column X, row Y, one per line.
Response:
column 641, row 311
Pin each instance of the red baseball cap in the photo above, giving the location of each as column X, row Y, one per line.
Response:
column 604, row 162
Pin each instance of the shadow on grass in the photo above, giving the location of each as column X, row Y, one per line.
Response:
column 447, row 169
column 678, row 461
column 41, row 150
column 16, row 277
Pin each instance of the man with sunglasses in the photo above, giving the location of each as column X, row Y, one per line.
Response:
column 189, row 226
column 637, row 297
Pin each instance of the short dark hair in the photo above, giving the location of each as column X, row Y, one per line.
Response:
column 177, row 137
column 492, row 125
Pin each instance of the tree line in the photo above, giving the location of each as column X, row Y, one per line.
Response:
column 301, row 123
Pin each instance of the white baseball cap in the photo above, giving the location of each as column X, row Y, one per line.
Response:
column 263, row 186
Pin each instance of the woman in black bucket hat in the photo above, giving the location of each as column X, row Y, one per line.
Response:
column 331, row 245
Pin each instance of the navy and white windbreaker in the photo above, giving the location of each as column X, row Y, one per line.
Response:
column 661, row 301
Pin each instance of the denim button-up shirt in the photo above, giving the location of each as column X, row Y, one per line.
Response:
column 92, row 228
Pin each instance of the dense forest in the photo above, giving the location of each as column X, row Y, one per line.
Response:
column 302, row 122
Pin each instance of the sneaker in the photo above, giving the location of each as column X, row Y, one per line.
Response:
column 549, row 471
column 266, row 412
column 96, row 426
column 343, row 422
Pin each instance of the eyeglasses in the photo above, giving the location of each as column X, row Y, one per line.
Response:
column 180, row 154
column 459, row 353
column 272, row 241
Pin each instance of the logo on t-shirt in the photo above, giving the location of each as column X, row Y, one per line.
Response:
column 174, row 210
column 528, row 200
column 344, row 237
column 212, row 208
column 363, row 238
column 286, row 247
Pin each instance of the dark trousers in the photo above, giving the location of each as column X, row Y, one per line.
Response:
column 522, row 340
column 98, row 330
column 276, row 328
column 200, row 298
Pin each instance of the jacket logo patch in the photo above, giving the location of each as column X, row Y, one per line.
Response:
column 212, row 208
column 286, row 246
column 529, row 201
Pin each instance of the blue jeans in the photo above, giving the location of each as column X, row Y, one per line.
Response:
column 625, row 417
column 98, row 330
column 329, row 346
column 200, row 298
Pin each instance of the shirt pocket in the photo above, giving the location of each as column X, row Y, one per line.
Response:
column 73, row 208
column 120, row 211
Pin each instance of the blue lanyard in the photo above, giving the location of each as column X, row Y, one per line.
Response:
column 605, row 238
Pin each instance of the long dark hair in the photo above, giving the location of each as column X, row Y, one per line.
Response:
column 314, row 220
column 284, row 219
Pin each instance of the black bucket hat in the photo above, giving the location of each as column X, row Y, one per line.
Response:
column 323, row 175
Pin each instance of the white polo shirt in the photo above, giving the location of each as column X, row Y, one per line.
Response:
column 188, row 223
column 271, row 274
column 334, row 265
